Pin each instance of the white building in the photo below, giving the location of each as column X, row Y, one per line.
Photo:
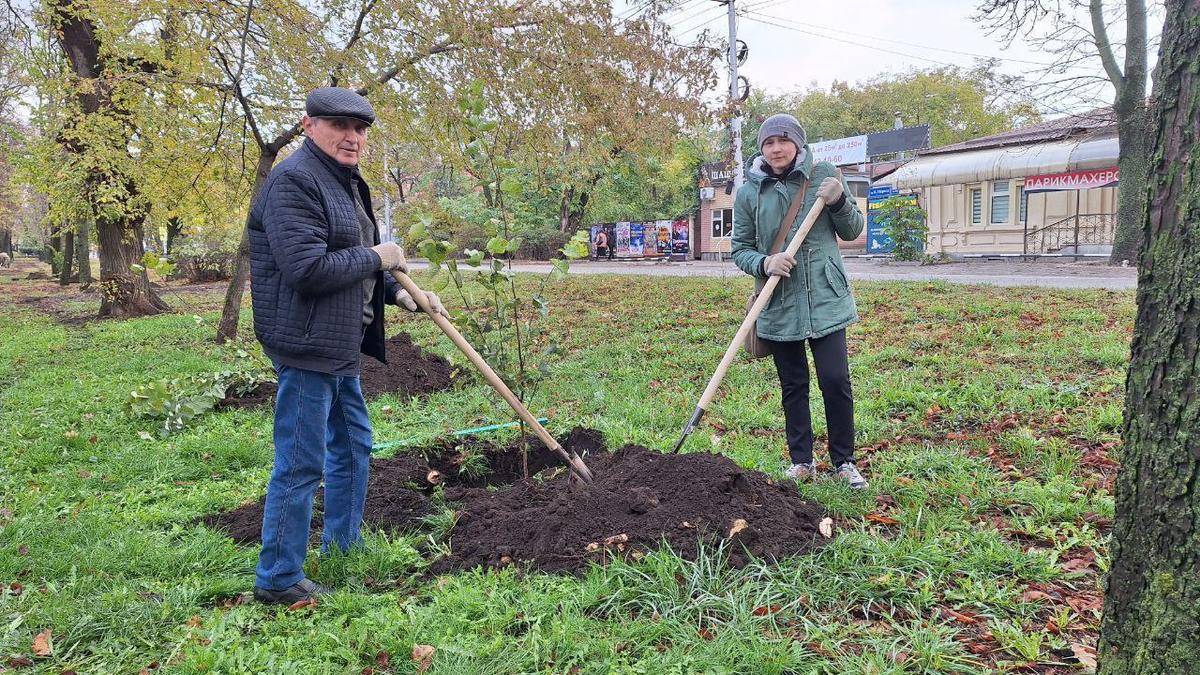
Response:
column 1015, row 192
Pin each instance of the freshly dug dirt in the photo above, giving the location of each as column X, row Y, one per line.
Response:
column 398, row 487
column 639, row 499
column 410, row 371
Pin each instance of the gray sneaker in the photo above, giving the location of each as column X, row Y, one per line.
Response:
column 801, row 472
column 305, row 589
column 849, row 473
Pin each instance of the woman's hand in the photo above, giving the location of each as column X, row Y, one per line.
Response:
column 830, row 190
column 779, row 265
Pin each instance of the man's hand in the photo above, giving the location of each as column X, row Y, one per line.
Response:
column 406, row 301
column 830, row 190
column 779, row 265
column 391, row 257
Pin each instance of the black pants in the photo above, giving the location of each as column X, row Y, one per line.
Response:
column 832, row 363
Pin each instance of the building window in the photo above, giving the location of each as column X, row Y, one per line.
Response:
column 722, row 223
column 976, row 206
column 1023, row 200
column 999, row 202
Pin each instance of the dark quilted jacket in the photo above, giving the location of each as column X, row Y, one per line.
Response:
column 307, row 265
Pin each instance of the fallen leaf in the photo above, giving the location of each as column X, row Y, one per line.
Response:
column 959, row 616
column 1076, row 565
column 1034, row 596
column 16, row 588
column 368, row 670
column 422, row 655
column 965, row 501
column 826, row 527
column 1086, row 655
column 383, row 659
column 904, row 480
column 194, row 622
column 899, row 658
column 616, row 539
column 433, row 477
column 738, row 525
column 41, row 643
column 763, row 611
column 882, row 520
column 705, row 633
column 19, row 662
column 145, row 436
column 93, row 440
column 22, row 550
column 592, row 547
column 301, row 604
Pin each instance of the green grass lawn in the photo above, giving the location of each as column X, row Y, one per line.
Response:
column 988, row 422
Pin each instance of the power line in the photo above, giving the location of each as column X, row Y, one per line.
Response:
column 704, row 22
column 753, row 17
column 907, row 44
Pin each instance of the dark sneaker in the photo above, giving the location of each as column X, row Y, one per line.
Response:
column 849, row 473
column 801, row 472
column 305, row 589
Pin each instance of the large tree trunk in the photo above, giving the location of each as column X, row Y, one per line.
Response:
column 123, row 293
column 82, row 258
column 1151, row 622
column 68, row 258
column 120, row 236
column 232, row 311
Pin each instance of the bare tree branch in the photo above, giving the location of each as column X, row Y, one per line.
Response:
column 1104, row 47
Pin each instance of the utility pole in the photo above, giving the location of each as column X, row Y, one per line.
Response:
column 734, row 103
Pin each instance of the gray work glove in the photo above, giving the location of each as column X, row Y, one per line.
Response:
column 779, row 265
column 830, row 190
column 391, row 257
column 435, row 303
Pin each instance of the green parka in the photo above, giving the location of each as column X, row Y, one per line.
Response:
column 816, row 300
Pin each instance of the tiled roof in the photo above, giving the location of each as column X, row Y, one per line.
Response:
column 1097, row 122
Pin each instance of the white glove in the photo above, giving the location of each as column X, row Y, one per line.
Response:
column 391, row 257
column 779, row 265
column 830, row 190
column 435, row 303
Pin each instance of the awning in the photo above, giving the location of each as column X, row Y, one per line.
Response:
column 1021, row 161
column 1073, row 180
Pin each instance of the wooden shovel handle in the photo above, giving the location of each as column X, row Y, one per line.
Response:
column 418, row 296
column 764, row 297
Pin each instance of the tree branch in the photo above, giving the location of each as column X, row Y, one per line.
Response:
column 242, row 100
column 1104, row 47
column 355, row 36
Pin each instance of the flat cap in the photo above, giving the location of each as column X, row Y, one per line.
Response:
column 339, row 102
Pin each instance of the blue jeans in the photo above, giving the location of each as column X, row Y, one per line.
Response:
column 321, row 424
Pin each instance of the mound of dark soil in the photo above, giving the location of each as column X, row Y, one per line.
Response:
column 640, row 499
column 398, row 487
column 410, row 371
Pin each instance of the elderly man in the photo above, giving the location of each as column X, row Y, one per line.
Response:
column 319, row 279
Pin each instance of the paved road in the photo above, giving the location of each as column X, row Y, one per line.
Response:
column 996, row 273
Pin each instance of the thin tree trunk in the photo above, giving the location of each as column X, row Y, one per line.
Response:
column 68, row 258
column 1151, row 623
column 1134, row 163
column 232, row 311
column 174, row 232
column 83, row 258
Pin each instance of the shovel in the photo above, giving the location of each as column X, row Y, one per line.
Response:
column 764, row 297
column 572, row 459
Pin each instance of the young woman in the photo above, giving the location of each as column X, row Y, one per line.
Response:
column 813, row 303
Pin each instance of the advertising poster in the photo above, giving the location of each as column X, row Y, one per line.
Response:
column 679, row 239
column 637, row 239
column 622, row 238
column 663, row 228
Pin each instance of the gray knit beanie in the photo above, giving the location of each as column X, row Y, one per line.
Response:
column 782, row 125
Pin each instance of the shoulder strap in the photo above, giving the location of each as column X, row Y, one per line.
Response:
column 790, row 217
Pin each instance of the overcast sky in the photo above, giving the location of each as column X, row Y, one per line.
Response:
column 811, row 41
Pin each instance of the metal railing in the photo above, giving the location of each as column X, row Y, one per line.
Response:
column 1074, row 231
